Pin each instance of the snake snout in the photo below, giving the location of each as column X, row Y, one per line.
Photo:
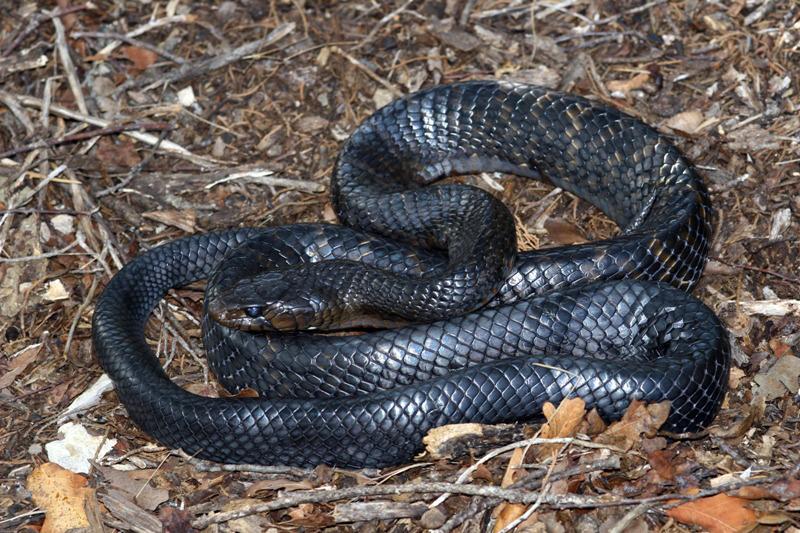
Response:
column 270, row 302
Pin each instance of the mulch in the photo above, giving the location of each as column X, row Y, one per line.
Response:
column 125, row 124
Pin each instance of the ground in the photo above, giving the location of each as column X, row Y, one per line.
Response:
column 209, row 115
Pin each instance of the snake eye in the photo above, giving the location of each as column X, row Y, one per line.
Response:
column 253, row 311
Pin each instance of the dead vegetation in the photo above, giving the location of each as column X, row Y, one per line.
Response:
column 124, row 124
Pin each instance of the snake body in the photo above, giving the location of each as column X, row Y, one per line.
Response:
column 490, row 334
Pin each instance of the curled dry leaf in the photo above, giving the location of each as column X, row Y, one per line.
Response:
column 625, row 86
column 561, row 422
column 640, row 419
column 563, row 232
column 687, row 121
column 437, row 441
column 18, row 364
column 717, row 514
column 780, row 379
column 184, row 219
column 140, row 57
column 64, row 496
column 505, row 513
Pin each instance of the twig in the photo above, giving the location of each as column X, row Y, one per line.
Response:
column 205, row 466
column 12, row 104
column 47, row 255
column 137, row 169
column 265, row 176
column 82, row 136
column 39, row 19
column 153, row 24
column 630, row 516
column 167, row 146
column 198, row 68
column 381, row 23
column 69, row 67
column 130, row 40
column 387, row 84
column 531, row 481
column 84, row 305
column 556, row 501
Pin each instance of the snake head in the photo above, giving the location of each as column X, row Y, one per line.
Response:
column 276, row 301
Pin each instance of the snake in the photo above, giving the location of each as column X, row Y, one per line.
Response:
column 345, row 344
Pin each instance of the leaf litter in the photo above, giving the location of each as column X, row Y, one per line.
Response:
column 116, row 149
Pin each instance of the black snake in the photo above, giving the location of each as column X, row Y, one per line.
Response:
column 490, row 334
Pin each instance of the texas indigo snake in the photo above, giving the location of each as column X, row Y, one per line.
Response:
column 528, row 327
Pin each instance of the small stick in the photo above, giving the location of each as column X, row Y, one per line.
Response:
column 146, row 28
column 167, row 146
column 82, row 136
column 131, row 41
column 69, row 66
column 381, row 23
column 556, row 501
column 387, row 84
column 39, row 19
column 190, row 71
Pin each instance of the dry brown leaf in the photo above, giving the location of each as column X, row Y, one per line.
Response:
column 686, row 121
column 561, row 422
column 121, row 154
column 593, row 424
column 639, row 419
column 135, row 483
column 508, row 512
column 140, row 57
column 437, row 439
column 625, row 86
column 505, row 513
column 18, row 365
column 781, row 378
column 185, row 219
column 662, row 463
column 783, row 490
column 717, row 514
column 63, row 495
column 563, row 232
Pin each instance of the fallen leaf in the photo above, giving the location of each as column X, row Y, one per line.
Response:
column 662, row 463
column 780, row 379
column 686, row 121
column 184, row 219
column 505, row 513
column 55, row 291
column 778, row 347
column 136, row 484
column 121, row 154
column 561, row 422
column 752, row 138
column 458, row 39
column 717, row 514
column 18, row 364
column 437, row 440
column 782, row 490
column 593, row 424
column 311, row 124
column 77, row 447
column 625, row 86
column 563, row 232
column 640, row 419
column 140, row 57
column 63, row 496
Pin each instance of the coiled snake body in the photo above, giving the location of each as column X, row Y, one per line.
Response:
column 490, row 334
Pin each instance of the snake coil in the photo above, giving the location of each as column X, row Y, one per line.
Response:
column 490, row 334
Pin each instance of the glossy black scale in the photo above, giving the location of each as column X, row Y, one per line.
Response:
column 603, row 320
